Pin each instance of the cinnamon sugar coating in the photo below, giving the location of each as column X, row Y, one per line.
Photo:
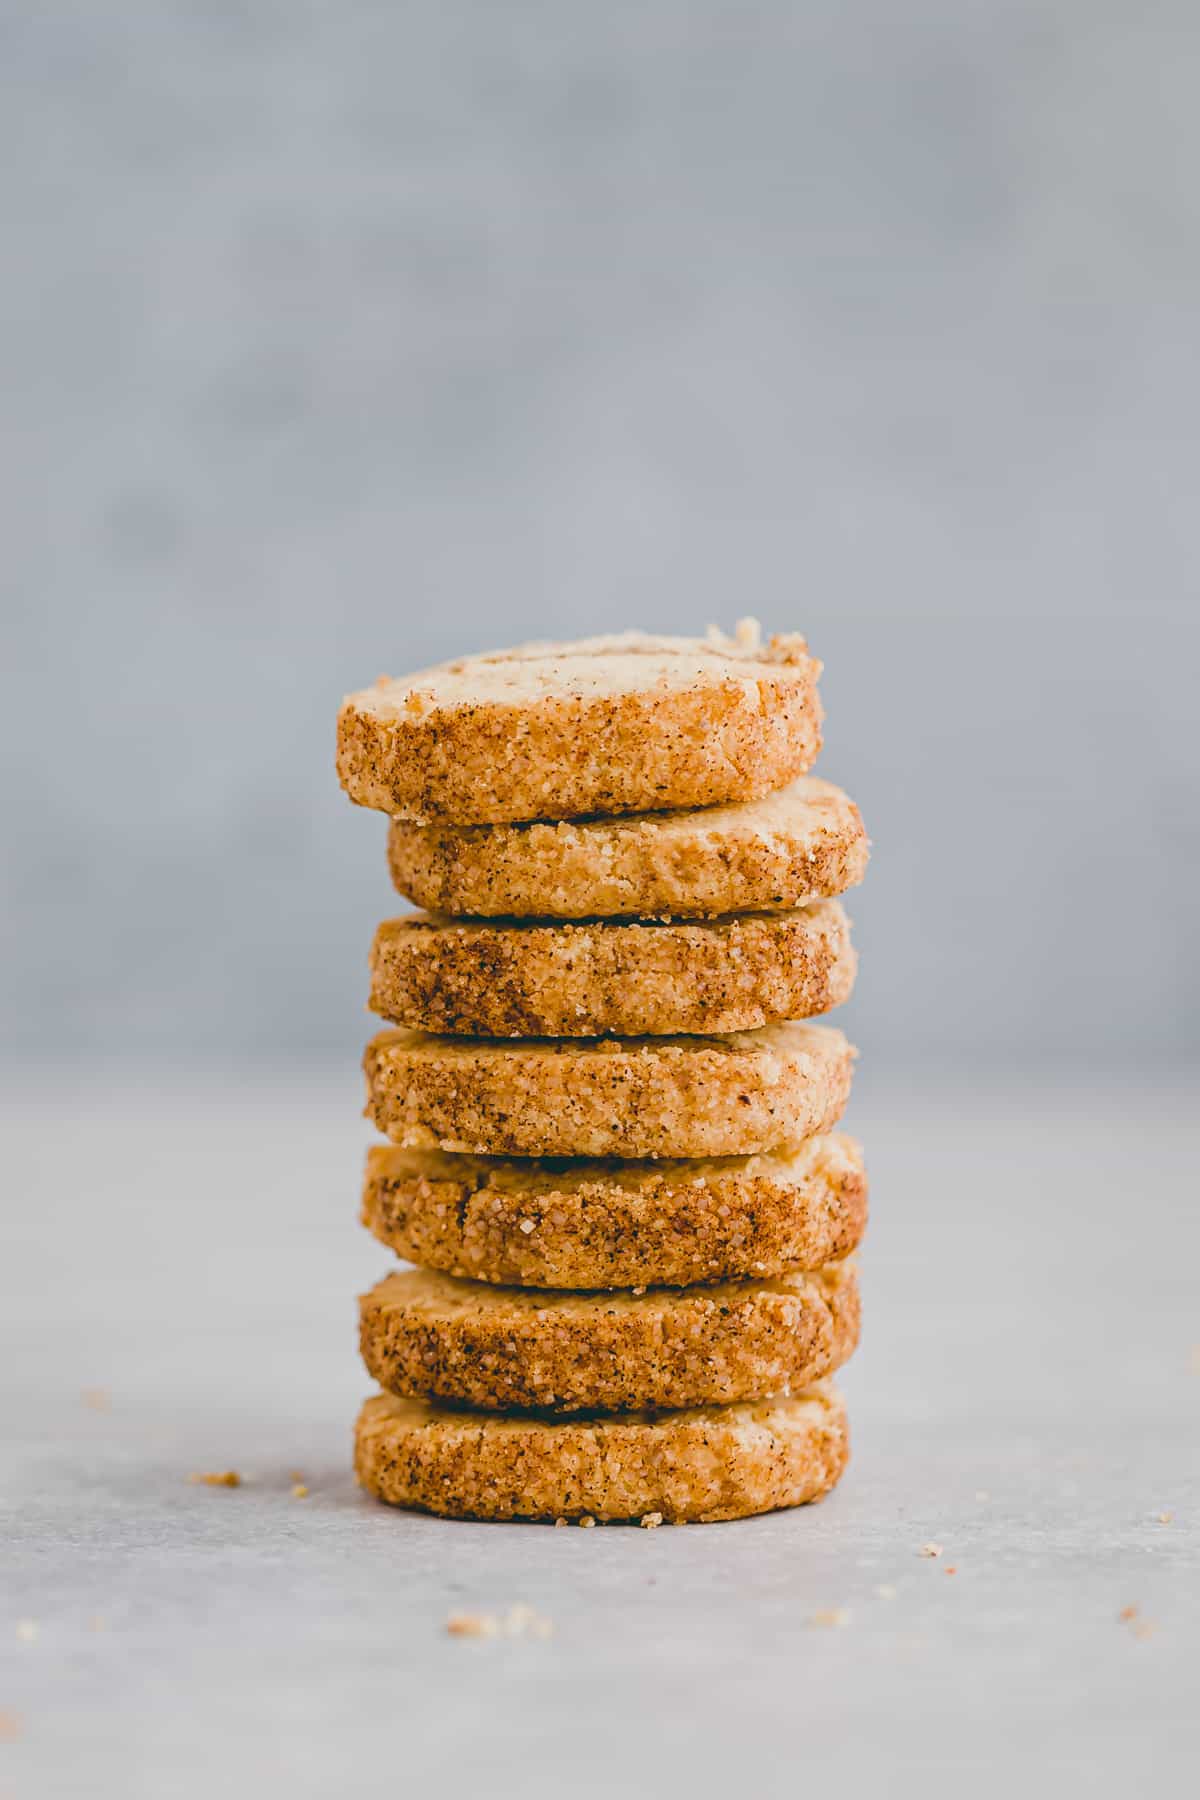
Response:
column 691, row 1466
column 728, row 1095
column 513, row 980
column 606, row 725
column 431, row 1337
column 618, row 1224
column 806, row 841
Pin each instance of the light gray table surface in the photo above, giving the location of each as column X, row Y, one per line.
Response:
column 1027, row 1394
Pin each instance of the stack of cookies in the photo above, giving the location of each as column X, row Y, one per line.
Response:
column 612, row 1150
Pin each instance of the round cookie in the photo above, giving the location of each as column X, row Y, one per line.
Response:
column 691, row 1466
column 431, row 1337
column 608, row 725
column 728, row 1095
column 804, row 842
column 487, row 979
column 618, row 1225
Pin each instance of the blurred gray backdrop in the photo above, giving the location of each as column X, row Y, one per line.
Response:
column 338, row 339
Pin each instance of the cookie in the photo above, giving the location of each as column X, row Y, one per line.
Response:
column 607, row 725
column 426, row 1336
column 614, row 1224
column 691, row 1466
column 630, row 978
column 731, row 1095
column 804, row 842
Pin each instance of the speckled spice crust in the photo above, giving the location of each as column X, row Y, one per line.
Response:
column 732, row 1095
column 629, row 978
column 694, row 1466
column 805, row 842
column 610, row 725
column 429, row 1337
column 618, row 1225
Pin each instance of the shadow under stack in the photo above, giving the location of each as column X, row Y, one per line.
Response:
column 613, row 1151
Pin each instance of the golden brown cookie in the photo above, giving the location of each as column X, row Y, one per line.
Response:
column 632, row 978
column 431, row 1337
column 696, row 1465
column 607, row 725
column 804, row 842
column 614, row 1224
column 731, row 1095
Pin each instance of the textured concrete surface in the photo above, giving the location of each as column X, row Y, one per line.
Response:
column 1028, row 1395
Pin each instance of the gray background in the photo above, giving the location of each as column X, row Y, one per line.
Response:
column 340, row 338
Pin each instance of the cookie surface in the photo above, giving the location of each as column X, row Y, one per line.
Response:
column 805, row 842
column 629, row 978
column 426, row 1336
column 729, row 1095
column 606, row 725
column 618, row 1225
column 696, row 1465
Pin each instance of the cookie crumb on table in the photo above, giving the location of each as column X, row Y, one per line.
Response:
column 519, row 1621
column 98, row 1398
column 27, row 1630
column 217, row 1478
column 930, row 1550
column 10, row 1726
column 651, row 1521
column 472, row 1625
column 299, row 1491
column 831, row 1616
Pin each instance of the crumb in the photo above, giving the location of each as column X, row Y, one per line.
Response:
column 524, row 1621
column 296, row 1475
column 1144, row 1628
column 99, row 1399
column 587, row 1521
column 982, row 1494
column 27, row 1630
column 1164, row 1518
column 299, row 1491
column 559, row 1522
column 830, row 1615
column 886, row 1591
column 218, row 1478
column 472, row 1625
column 930, row 1550
column 1126, row 1613
column 651, row 1521
column 951, row 1569
column 10, row 1726
column 519, row 1621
